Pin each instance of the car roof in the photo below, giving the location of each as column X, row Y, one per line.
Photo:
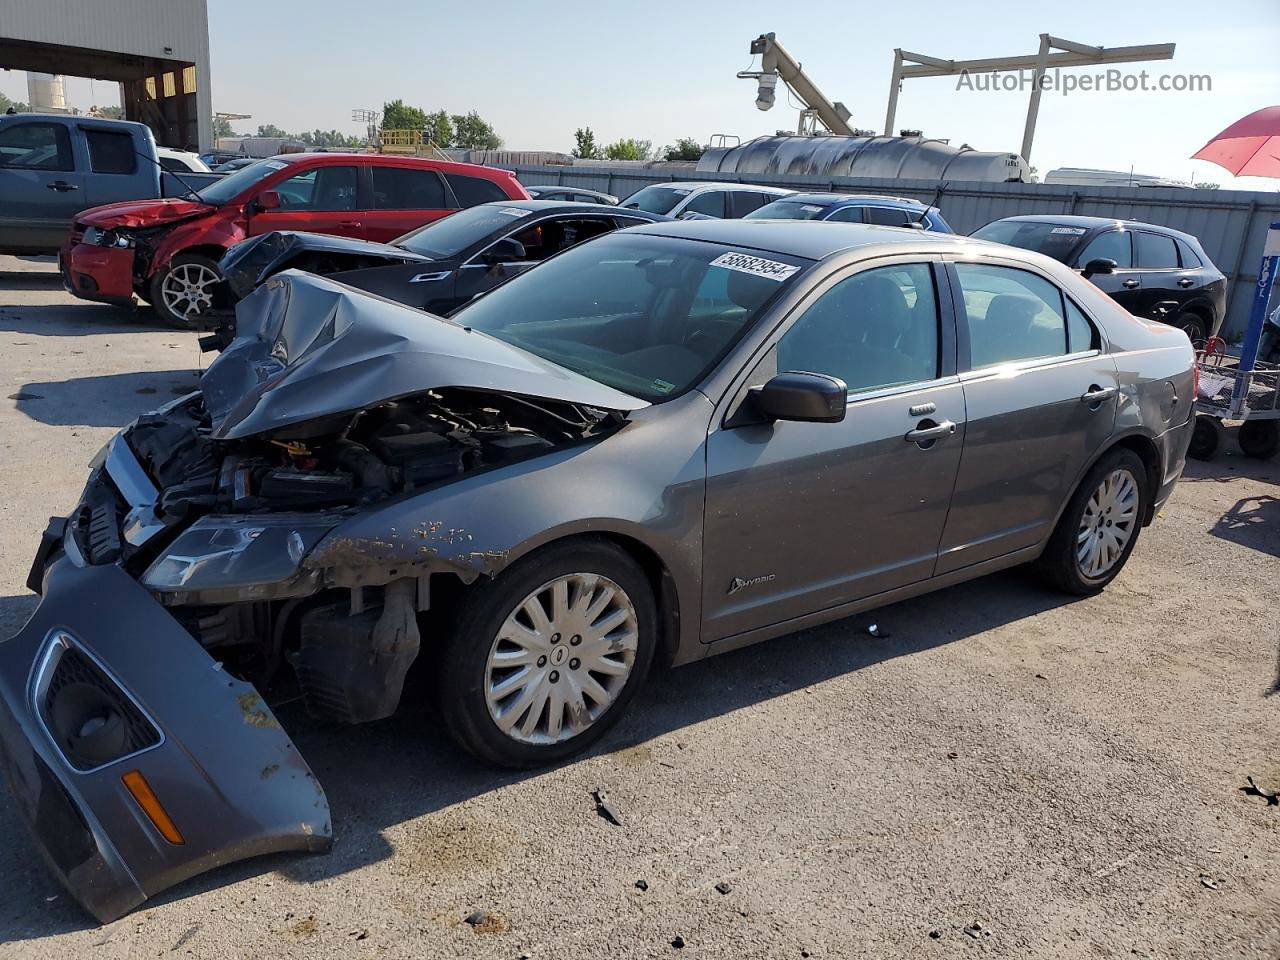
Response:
column 395, row 160
column 571, row 206
column 847, row 199
column 1092, row 222
column 568, row 188
column 722, row 185
column 805, row 238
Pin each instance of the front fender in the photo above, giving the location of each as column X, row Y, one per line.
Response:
column 645, row 481
column 221, row 230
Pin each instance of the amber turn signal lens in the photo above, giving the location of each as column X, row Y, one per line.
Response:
column 146, row 798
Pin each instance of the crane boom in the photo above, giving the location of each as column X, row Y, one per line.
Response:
column 775, row 62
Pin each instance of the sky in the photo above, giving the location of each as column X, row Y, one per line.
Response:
column 665, row 70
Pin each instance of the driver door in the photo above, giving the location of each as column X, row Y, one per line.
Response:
column 320, row 200
column 802, row 517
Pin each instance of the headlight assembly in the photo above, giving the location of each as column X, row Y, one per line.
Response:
column 95, row 236
column 223, row 559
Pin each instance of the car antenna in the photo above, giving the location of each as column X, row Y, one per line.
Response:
column 937, row 195
column 163, row 171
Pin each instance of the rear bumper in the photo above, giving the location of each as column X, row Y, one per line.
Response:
column 1173, row 454
column 101, row 274
column 227, row 776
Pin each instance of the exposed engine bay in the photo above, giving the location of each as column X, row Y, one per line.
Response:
column 234, row 519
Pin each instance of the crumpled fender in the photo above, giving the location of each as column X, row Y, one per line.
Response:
column 483, row 522
column 223, row 228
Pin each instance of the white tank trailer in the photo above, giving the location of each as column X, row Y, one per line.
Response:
column 881, row 158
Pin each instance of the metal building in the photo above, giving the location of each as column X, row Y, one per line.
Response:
column 157, row 50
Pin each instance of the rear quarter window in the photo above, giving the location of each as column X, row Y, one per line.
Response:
column 473, row 190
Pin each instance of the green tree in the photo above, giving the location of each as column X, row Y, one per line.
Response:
column 222, row 128
column 629, row 149
column 472, row 133
column 686, row 148
column 585, row 147
column 271, row 130
column 18, row 105
column 397, row 115
column 329, row 139
column 107, row 112
column 439, row 128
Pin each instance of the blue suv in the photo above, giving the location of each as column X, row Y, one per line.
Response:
column 853, row 208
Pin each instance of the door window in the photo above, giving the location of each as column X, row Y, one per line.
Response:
column 1156, row 252
column 398, row 188
column 541, row 240
column 324, row 188
column 36, row 146
column 709, row 202
column 848, row 215
column 473, row 190
column 889, row 216
column 1080, row 333
column 1112, row 245
column 744, row 201
column 1012, row 315
column 877, row 328
column 111, row 152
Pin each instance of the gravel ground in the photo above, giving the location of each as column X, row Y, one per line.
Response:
column 1061, row 778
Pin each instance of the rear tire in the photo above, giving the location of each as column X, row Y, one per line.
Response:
column 1205, row 437
column 497, row 696
column 1260, row 438
column 184, row 290
column 1193, row 325
column 1099, row 528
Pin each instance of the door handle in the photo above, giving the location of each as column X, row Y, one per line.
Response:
column 1097, row 394
column 1185, row 282
column 1129, row 284
column 61, row 186
column 936, row 432
column 349, row 223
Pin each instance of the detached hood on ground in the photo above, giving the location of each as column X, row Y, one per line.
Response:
column 247, row 264
column 143, row 213
column 310, row 348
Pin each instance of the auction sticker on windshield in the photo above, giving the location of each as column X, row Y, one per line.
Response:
column 757, row 266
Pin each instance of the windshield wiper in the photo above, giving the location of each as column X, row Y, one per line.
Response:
column 192, row 193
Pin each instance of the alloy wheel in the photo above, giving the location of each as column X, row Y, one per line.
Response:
column 188, row 289
column 561, row 658
column 1108, row 524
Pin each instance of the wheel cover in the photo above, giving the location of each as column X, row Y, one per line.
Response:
column 1108, row 524
column 561, row 658
column 188, row 289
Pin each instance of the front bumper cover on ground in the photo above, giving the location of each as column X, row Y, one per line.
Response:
column 227, row 775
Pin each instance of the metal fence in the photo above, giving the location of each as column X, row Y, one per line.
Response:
column 1231, row 224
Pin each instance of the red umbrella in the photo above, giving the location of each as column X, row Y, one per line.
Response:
column 1250, row 147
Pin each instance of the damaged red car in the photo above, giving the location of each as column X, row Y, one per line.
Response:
column 166, row 252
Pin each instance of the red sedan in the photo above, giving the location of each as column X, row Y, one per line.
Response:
column 166, row 251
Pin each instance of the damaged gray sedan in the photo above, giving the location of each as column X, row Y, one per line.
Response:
column 669, row 442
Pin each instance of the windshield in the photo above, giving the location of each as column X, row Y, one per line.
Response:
column 1052, row 239
column 655, row 199
column 234, row 184
column 787, row 210
column 445, row 238
column 643, row 314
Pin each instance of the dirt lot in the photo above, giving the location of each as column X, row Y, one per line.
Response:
column 1065, row 774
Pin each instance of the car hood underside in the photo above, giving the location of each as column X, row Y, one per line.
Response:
column 249, row 263
column 309, row 348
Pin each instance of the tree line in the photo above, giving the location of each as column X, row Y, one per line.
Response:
column 630, row 148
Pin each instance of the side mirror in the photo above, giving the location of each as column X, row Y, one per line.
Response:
column 1099, row 265
column 804, row 397
column 268, row 200
column 506, row 250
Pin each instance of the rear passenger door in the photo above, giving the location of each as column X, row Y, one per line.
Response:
column 403, row 199
column 40, row 188
column 1041, row 401
column 742, row 202
column 709, row 203
column 114, row 165
column 1161, row 297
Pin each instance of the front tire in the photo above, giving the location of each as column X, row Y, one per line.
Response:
column 183, row 290
column 541, row 661
column 1097, row 532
